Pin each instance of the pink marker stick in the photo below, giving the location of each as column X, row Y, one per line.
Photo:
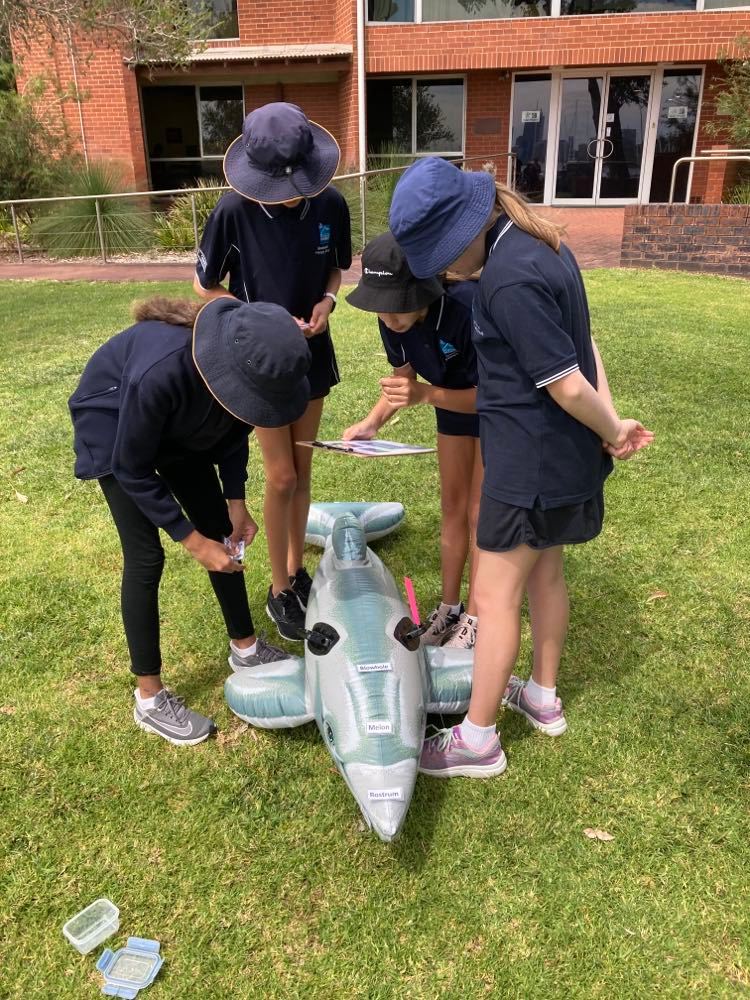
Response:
column 412, row 598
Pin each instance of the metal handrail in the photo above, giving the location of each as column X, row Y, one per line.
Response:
column 701, row 159
column 171, row 192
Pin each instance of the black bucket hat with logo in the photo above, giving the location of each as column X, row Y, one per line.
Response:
column 387, row 285
column 254, row 360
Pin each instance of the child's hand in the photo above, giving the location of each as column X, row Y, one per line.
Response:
column 244, row 527
column 319, row 317
column 400, row 391
column 359, row 432
column 632, row 437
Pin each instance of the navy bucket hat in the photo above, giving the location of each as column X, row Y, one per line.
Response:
column 436, row 212
column 281, row 155
column 254, row 360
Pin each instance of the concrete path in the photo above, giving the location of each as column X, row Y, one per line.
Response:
column 594, row 235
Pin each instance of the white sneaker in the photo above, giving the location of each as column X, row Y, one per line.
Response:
column 463, row 635
column 440, row 621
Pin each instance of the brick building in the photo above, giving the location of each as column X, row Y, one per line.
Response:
column 589, row 102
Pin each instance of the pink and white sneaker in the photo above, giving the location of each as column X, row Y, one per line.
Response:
column 548, row 720
column 445, row 755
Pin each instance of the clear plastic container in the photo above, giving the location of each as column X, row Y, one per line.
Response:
column 93, row 925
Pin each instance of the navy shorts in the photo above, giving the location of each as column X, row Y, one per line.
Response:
column 324, row 370
column 502, row 527
column 457, row 424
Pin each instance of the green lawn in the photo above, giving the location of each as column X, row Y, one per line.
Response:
column 245, row 856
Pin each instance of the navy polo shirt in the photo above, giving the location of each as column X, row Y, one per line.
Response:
column 273, row 253
column 530, row 328
column 142, row 405
column 439, row 349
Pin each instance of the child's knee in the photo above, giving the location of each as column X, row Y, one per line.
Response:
column 282, row 482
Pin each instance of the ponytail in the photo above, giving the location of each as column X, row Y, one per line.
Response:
column 524, row 216
column 177, row 312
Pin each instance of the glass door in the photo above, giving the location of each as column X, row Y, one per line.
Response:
column 602, row 135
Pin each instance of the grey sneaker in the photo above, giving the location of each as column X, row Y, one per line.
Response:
column 264, row 653
column 439, row 623
column 463, row 635
column 171, row 719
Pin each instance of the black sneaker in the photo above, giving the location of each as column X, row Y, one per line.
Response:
column 301, row 585
column 285, row 611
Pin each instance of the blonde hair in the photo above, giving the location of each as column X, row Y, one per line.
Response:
column 177, row 312
column 520, row 212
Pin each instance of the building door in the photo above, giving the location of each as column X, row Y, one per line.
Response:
column 602, row 131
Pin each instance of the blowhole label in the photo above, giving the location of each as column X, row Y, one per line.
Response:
column 379, row 727
column 373, row 668
column 385, row 795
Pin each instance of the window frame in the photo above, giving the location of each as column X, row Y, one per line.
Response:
column 555, row 11
column 203, row 156
column 224, row 38
column 432, row 77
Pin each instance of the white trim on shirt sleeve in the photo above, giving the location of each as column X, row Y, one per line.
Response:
column 559, row 375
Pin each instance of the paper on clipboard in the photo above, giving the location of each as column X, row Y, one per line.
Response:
column 369, row 449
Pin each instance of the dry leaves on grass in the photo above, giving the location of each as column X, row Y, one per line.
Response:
column 21, row 497
column 7, row 710
column 656, row 595
column 231, row 737
column 594, row 834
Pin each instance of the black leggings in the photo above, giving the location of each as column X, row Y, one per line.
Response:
column 196, row 487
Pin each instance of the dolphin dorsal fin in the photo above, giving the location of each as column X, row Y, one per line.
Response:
column 348, row 539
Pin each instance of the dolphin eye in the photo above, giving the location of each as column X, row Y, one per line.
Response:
column 329, row 734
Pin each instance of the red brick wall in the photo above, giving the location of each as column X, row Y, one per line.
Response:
column 345, row 30
column 274, row 22
column 713, row 238
column 519, row 43
column 111, row 114
column 487, row 119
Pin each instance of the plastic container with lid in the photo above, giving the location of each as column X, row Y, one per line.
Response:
column 93, row 925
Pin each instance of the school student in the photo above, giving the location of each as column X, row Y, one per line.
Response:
column 158, row 407
column 284, row 236
column 426, row 332
column 548, row 432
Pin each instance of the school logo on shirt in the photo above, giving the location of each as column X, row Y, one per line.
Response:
column 324, row 237
column 202, row 260
column 448, row 350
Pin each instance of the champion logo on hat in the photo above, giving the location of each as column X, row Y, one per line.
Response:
column 378, row 274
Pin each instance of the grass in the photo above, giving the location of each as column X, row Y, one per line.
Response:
column 245, row 857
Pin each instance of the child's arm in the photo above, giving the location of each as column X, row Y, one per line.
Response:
column 323, row 309
column 381, row 413
column 218, row 292
column 602, row 384
column 409, row 392
column 575, row 394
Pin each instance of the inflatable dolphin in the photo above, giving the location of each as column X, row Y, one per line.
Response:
column 365, row 680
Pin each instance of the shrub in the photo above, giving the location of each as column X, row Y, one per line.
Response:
column 174, row 228
column 69, row 228
column 739, row 194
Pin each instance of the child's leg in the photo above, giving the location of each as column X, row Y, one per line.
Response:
column 455, row 462
column 305, row 429
column 549, row 611
column 281, row 482
column 500, row 582
column 477, row 477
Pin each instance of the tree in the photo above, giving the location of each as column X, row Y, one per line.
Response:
column 147, row 30
column 732, row 97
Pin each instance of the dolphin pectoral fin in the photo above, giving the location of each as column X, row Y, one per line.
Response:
column 270, row 696
column 378, row 519
column 449, row 673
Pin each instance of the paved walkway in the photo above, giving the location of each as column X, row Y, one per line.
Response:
column 594, row 235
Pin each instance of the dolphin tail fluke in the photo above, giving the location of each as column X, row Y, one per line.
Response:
column 449, row 673
column 270, row 696
column 378, row 519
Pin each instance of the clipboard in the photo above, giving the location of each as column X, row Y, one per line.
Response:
column 376, row 448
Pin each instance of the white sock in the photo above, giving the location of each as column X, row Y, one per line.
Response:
column 541, row 696
column 144, row 703
column 244, row 653
column 476, row 736
column 453, row 609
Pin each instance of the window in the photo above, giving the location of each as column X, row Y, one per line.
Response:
column 412, row 116
column 390, row 10
column 531, row 96
column 623, row 6
column 223, row 17
column 188, row 130
column 473, row 10
column 718, row 4
column 678, row 112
